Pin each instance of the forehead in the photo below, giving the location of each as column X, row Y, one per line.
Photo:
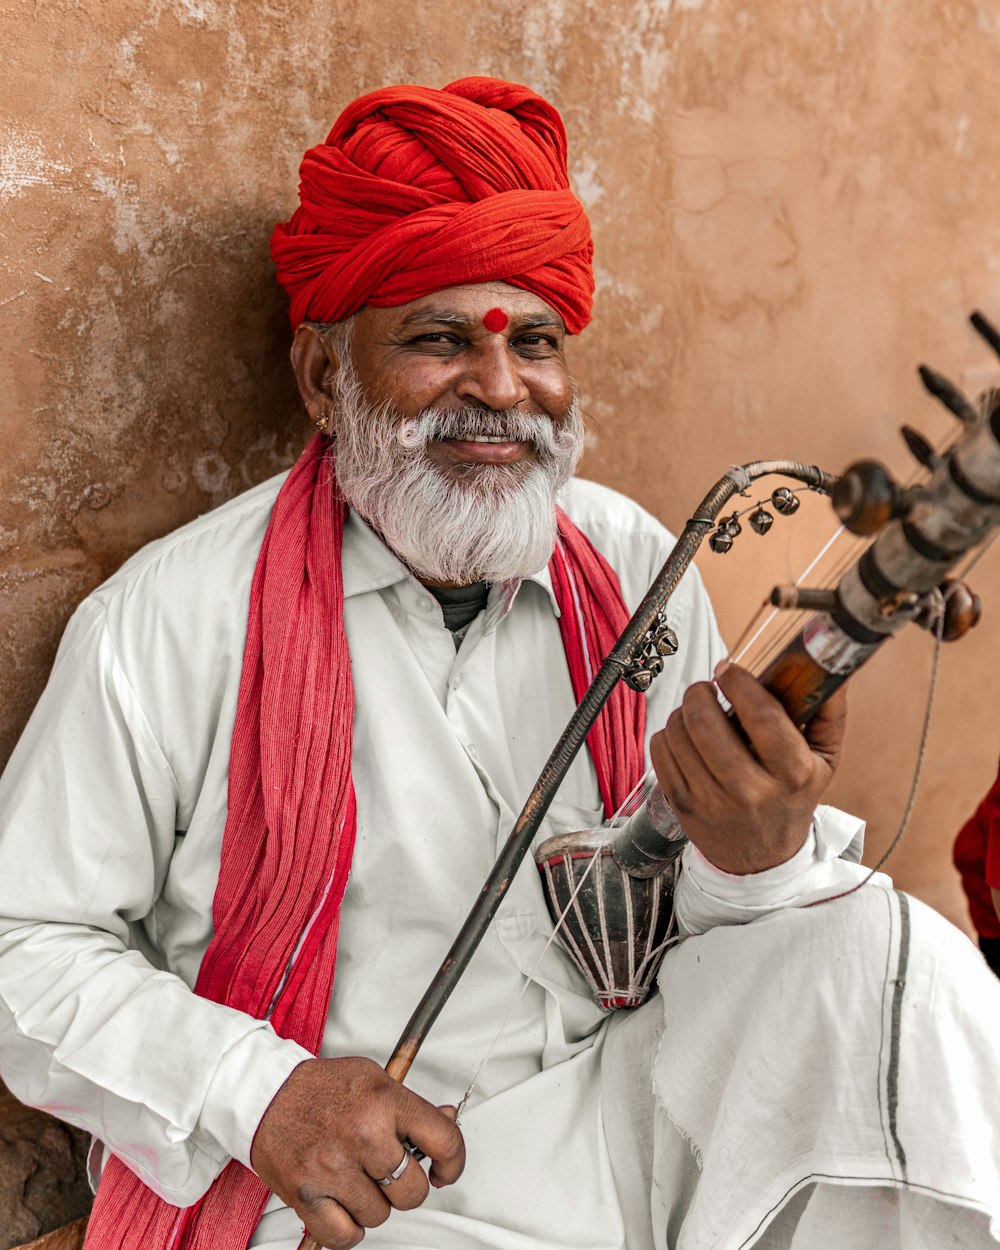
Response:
column 470, row 302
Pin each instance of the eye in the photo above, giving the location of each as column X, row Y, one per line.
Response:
column 536, row 345
column 436, row 341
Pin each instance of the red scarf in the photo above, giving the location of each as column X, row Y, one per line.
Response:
column 277, row 903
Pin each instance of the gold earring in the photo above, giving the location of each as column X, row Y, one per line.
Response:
column 324, row 422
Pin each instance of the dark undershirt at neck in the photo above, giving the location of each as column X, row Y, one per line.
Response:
column 460, row 605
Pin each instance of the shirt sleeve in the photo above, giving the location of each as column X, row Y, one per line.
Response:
column 91, row 1028
column 706, row 896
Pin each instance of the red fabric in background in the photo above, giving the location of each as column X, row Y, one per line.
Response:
column 977, row 858
column 289, row 835
column 417, row 189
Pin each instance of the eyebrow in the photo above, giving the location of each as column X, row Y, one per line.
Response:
column 450, row 317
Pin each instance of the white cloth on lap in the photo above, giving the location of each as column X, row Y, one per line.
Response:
column 838, row 1062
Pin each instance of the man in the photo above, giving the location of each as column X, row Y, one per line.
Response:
column 421, row 620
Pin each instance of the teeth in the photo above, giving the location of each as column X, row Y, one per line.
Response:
column 487, row 438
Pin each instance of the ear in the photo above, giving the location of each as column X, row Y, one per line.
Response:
column 315, row 362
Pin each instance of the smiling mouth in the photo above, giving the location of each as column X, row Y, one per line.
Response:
column 486, row 449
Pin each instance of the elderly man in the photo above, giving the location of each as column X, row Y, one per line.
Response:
column 287, row 739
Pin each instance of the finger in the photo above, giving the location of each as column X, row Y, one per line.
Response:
column 404, row 1189
column 365, row 1202
column 779, row 746
column 715, row 738
column 438, row 1136
column 328, row 1222
column 704, row 726
column 669, row 775
column 689, row 763
column 825, row 732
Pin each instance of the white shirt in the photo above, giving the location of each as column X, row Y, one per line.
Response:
column 111, row 819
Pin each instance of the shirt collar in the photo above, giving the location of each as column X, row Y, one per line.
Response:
column 368, row 564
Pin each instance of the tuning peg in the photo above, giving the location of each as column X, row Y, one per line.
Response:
column 949, row 395
column 799, row 598
column 962, row 609
column 866, row 498
column 919, row 447
column 985, row 329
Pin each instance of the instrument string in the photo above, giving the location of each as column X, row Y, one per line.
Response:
column 613, row 823
column 917, row 770
column 771, row 641
column 938, row 632
column 741, row 647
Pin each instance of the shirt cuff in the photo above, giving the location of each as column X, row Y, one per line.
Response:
column 246, row 1080
column 706, row 896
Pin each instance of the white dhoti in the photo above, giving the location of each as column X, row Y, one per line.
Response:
column 823, row 1077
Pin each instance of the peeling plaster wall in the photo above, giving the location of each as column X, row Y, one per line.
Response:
column 792, row 205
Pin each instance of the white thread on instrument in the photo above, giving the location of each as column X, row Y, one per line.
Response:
column 636, row 790
column 917, row 770
column 924, row 732
column 798, row 582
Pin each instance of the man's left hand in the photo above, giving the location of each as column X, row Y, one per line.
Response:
column 746, row 809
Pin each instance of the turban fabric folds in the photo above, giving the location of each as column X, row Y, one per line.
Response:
column 416, row 190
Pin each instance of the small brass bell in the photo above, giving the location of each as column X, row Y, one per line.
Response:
column 761, row 521
column 785, row 501
column 667, row 643
column 720, row 541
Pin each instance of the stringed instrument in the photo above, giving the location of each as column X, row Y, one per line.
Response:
column 920, row 533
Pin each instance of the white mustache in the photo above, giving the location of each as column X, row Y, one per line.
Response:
column 466, row 423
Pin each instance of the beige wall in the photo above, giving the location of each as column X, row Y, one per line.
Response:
column 792, row 203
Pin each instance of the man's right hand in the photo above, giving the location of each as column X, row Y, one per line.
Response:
column 333, row 1130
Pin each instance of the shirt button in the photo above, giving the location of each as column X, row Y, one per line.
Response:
column 474, row 754
column 424, row 605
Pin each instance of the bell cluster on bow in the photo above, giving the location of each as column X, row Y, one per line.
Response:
column 783, row 501
column 658, row 643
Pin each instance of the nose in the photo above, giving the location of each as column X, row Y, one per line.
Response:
column 493, row 377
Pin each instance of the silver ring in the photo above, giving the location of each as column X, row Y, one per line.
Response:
column 397, row 1172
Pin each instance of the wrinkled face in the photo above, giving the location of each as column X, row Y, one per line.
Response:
column 488, row 347
column 456, row 425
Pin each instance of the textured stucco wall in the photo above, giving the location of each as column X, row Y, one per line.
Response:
column 792, row 205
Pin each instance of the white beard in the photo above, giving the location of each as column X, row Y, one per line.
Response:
column 494, row 523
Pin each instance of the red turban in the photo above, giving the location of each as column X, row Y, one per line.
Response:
column 416, row 190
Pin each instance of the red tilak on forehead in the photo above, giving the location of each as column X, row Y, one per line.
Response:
column 496, row 320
